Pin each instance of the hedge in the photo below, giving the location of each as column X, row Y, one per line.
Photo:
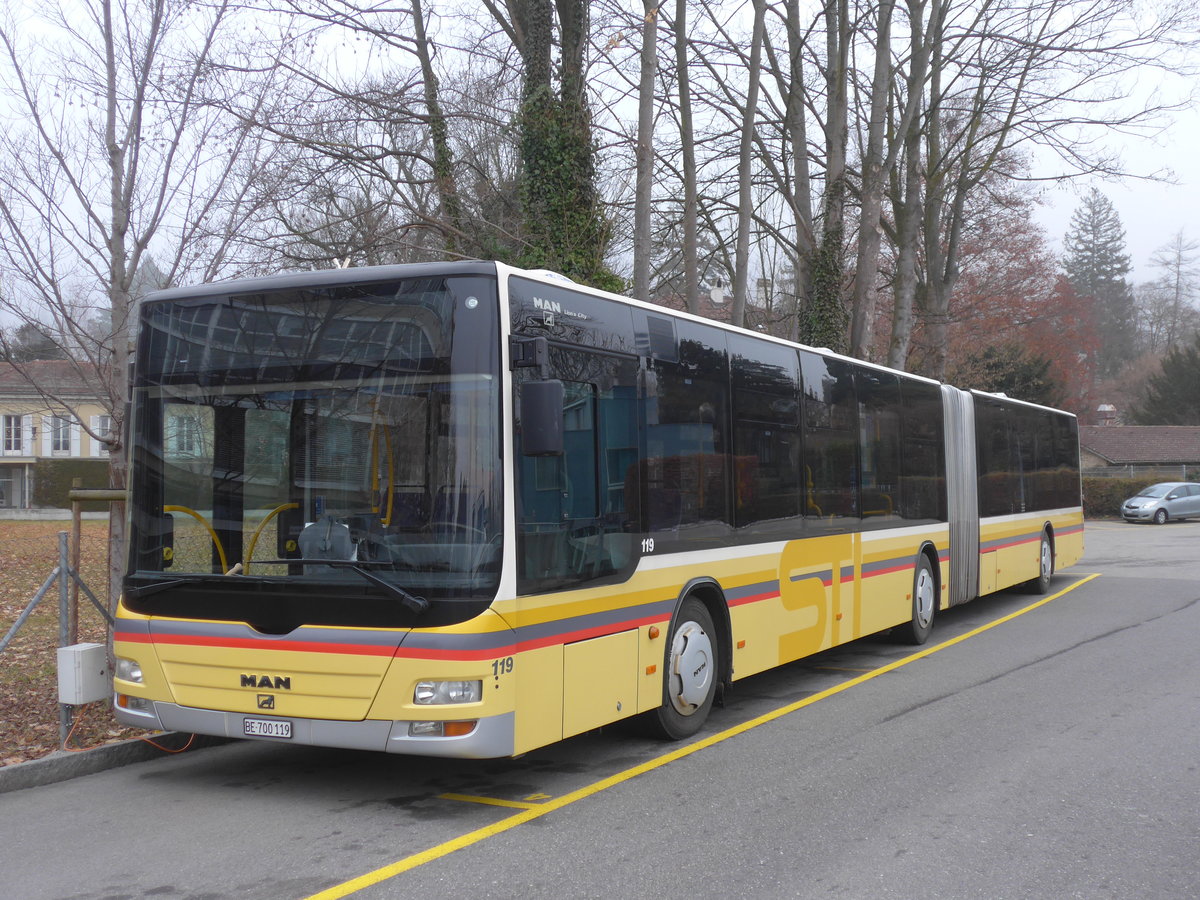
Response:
column 52, row 481
column 1102, row 497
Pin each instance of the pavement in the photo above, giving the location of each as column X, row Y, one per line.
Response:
column 63, row 765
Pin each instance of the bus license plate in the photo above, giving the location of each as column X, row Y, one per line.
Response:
column 267, row 728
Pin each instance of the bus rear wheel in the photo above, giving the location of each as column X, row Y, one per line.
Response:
column 1041, row 584
column 924, row 605
column 690, row 674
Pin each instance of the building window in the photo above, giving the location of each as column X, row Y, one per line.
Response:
column 187, row 435
column 12, row 434
column 60, row 434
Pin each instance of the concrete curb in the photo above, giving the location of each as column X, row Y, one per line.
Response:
column 63, row 765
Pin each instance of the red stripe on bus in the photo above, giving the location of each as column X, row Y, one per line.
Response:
column 891, row 570
column 754, row 598
column 188, row 640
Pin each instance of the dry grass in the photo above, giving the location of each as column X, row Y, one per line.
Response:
column 28, row 667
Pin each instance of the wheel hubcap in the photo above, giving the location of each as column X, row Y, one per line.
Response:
column 924, row 598
column 691, row 668
column 1047, row 560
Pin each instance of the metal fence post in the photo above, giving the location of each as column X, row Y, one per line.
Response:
column 64, row 711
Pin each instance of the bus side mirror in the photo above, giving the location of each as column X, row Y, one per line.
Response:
column 542, row 418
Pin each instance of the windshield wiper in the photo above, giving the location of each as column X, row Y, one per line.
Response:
column 411, row 602
column 147, row 590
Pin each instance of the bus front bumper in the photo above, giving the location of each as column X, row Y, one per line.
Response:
column 492, row 736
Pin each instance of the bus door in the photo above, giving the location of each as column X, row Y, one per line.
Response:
column 573, row 508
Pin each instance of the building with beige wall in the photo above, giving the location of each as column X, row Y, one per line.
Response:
column 38, row 434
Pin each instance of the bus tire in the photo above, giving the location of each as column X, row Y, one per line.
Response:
column 1041, row 584
column 690, row 674
column 924, row 604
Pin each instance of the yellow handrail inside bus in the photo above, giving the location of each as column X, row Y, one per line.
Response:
column 212, row 534
column 257, row 531
column 386, row 518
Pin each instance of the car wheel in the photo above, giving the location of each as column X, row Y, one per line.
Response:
column 1160, row 517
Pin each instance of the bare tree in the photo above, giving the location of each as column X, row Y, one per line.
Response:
column 113, row 152
column 1179, row 262
column 1009, row 76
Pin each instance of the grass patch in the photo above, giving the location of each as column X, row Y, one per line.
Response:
column 29, row 666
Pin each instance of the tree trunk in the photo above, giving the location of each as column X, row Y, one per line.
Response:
column 644, row 153
column 443, row 159
column 691, row 262
column 741, row 262
column 907, row 207
column 824, row 322
column 873, row 182
column 801, row 202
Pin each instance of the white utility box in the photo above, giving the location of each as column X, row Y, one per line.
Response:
column 83, row 675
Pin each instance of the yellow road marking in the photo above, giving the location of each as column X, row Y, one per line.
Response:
column 489, row 801
column 537, row 811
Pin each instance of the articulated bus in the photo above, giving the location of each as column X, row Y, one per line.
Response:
column 468, row 510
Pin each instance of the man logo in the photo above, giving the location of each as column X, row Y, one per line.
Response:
column 270, row 682
column 266, row 701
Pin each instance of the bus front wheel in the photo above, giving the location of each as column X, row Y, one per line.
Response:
column 924, row 604
column 690, row 674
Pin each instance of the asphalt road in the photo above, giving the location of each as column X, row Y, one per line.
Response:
column 1052, row 754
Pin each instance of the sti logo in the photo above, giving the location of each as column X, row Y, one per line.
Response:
column 270, row 682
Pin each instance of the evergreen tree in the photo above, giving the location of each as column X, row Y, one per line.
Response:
column 28, row 342
column 1173, row 396
column 1096, row 265
column 1011, row 370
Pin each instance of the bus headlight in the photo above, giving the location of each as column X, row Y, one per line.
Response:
column 437, row 692
column 128, row 670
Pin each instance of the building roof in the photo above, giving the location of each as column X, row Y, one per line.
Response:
column 1142, row 444
column 59, row 377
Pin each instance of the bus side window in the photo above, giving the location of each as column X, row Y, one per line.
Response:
column 830, row 416
column 687, row 465
column 766, row 435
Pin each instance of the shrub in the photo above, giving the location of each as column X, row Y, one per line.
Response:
column 52, row 481
column 1102, row 497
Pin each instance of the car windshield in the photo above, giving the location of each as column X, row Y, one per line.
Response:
column 1156, row 490
column 328, row 441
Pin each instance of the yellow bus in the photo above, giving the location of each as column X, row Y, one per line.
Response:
column 462, row 509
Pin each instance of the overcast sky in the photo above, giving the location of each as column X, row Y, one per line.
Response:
column 1152, row 212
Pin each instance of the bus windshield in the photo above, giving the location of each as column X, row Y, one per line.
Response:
column 334, row 444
